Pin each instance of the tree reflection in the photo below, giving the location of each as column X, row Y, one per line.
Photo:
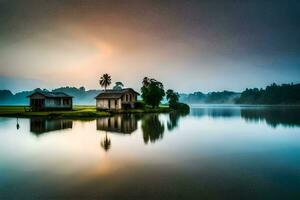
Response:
column 18, row 125
column 272, row 115
column 174, row 118
column 216, row 112
column 153, row 129
column 284, row 116
column 105, row 143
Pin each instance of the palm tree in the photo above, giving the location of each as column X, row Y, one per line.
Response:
column 105, row 80
column 105, row 143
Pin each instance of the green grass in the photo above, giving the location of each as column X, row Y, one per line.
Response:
column 77, row 112
column 161, row 109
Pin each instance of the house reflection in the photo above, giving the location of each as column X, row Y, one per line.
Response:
column 41, row 125
column 125, row 124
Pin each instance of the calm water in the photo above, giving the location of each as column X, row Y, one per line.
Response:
column 214, row 152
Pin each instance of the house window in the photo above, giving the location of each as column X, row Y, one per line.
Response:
column 57, row 102
column 66, row 102
column 116, row 103
column 126, row 97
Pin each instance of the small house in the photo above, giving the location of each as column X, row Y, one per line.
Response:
column 116, row 99
column 43, row 101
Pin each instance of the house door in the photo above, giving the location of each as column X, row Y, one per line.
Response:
column 38, row 104
column 108, row 104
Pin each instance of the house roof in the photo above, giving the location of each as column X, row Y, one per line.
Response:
column 52, row 94
column 114, row 94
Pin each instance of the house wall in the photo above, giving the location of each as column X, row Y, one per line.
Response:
column 103, row 104
column 129, row 97
column 56, row 103
column 50, row 103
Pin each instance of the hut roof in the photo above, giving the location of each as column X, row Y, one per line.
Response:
column 114, row 94
column 51, row 94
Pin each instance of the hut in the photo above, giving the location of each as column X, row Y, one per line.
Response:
column 116, row 99
column 44, row 101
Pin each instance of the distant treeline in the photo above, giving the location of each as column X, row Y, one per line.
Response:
column 81, row 96
column 212, row 97
column 272, row 94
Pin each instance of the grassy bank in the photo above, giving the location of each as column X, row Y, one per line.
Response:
column 161, row 109
column 77, row 112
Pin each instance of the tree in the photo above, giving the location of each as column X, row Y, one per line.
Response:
column 105, row 81
column 82, row 89
column 118, row 85
column 272, row 94
column 146, row 81
column 152, row 92
column 173, row 98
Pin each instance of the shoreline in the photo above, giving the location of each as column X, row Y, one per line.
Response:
column 193, row 105
column 83, row 112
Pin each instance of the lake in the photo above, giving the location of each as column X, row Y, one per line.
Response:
column 212, row 152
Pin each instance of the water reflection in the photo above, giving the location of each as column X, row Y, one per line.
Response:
column 122, row 124
column 174, row 119
column 249, row 156
column 152, row 128
column 39, row 126
column 216, row 112
column 125, row 124
column 105, row 143
column 273, row 116
column 18, row 125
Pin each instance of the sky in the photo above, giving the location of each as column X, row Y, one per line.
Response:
column 190, row 45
